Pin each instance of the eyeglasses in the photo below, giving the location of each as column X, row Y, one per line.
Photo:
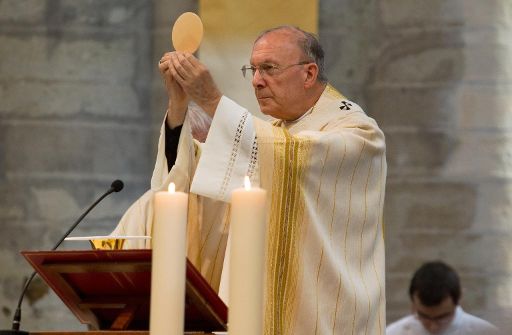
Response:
column 267, row 69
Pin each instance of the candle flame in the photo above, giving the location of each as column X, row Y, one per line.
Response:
column 247, row 183
column 171, row 188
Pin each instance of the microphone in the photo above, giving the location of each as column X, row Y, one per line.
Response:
column 116, row 186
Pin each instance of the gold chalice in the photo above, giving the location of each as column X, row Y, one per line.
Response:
column 107, row 243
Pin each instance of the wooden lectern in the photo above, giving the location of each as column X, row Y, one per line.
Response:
column 110, row 290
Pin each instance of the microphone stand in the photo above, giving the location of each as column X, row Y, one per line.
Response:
column 116, row 186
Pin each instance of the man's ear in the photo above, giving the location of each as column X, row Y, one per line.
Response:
column 310, row 75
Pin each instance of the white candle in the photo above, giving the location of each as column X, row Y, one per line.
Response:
column 247, row 255
column 167, row 310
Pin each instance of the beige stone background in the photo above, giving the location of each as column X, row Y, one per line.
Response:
column 81, row 102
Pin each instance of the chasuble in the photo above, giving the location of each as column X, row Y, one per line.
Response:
column 325, row 176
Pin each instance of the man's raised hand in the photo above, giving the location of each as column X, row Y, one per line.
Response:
column 178, row 98
column 196, row 80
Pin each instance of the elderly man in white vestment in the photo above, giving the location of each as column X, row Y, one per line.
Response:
column 322, row 161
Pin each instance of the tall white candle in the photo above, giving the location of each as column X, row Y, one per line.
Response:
column 247, row 255
column 167, row 310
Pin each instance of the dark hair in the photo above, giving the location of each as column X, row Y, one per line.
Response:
column 433, row 282
column 309, row 44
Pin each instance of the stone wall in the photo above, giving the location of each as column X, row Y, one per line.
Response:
column 437, row 77
column 74, row 116
column 81, row 103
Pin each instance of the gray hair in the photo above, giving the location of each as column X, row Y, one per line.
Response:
column 310, row 46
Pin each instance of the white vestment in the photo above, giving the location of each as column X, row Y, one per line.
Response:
column 325, row 176
column 462, row 324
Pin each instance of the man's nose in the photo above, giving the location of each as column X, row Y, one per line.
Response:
column 257, row 80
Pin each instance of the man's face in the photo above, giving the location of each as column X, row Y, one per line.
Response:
column 437, row 318
column 280, row 92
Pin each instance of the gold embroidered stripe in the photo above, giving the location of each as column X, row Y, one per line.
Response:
column 285, row 228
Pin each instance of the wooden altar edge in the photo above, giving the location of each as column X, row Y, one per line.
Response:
column 111, row 289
